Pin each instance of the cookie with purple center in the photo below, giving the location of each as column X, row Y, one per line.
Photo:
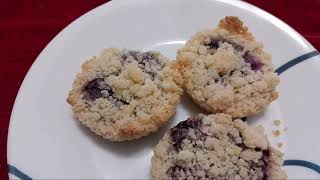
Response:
column 227, row 71
column 216, row 147
column 124, row 95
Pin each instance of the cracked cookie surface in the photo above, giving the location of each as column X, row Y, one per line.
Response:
column 226, row 70
column 215, row 147
column 124, row 95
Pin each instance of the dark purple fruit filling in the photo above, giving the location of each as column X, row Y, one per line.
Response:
column 254, row 61
column 265, row 160
column 244, row 119
column 149, row 56
column 214, row 43
column 146, row 60
column 177, row 136
column 142, row 57
column 93, row 90
column 175, row 171
column 242, row 145
column 180, row 131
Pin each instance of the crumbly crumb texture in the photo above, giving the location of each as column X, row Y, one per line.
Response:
column 226, row 70
column 215, row 147
column 124, row 95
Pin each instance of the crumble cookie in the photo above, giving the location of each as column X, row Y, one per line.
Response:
column 124, row 95
column 215, row 147
column 226, row 70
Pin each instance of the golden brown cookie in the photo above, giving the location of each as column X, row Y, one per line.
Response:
column 124, row 95
column 215, row 147
column 227, row 71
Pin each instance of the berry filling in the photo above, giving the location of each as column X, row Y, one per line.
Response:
column 175, row 171
column 98, row 88
column 148, row 61
column 265, row 159
column 180, row 131
column 244, row 119
column 92, row 90
column 214, row 43
column 254, row 61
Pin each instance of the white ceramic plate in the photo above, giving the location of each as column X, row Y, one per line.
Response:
column 45, row 142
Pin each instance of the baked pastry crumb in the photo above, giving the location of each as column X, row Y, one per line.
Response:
column 226, row 71
column 124, row 94
column 215, row 147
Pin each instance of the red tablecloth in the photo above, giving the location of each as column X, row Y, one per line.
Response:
column 26, row 26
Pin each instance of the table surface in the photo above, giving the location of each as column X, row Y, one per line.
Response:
column 27, row 26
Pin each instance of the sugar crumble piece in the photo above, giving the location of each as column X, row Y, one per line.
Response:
column 277, row 122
